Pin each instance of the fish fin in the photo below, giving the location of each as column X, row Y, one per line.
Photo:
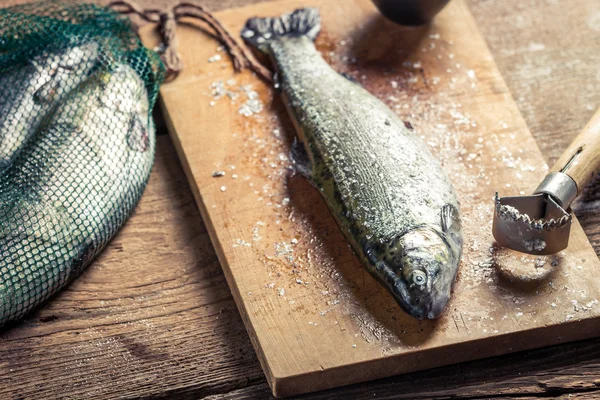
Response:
column 301, row 160
column 302, row 22
column 451, row 224
column 46, row 93
column 277, row 81
column 349, row 77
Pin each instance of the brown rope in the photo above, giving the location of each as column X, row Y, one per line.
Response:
column 128, row 7
column 170, row 55
column 167, row 21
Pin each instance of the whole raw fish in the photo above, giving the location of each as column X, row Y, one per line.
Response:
column 29, row 91
column 389, row 195
column 72, row 187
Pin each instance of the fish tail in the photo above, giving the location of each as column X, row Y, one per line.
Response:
column 302, row 22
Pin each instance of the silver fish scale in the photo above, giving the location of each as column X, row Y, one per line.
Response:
column 390, row 196
column 29, row 91
column 388, row 180
column 71, row 189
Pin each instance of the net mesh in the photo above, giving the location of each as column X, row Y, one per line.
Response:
column 76, row 142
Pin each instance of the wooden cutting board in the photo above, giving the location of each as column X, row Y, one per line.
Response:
column 315, row 316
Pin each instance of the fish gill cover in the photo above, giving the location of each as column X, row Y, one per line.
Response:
column 76, row 142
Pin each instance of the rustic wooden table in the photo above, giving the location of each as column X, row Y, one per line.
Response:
column 153, row 316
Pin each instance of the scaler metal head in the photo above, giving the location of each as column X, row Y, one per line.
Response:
column 536, row 224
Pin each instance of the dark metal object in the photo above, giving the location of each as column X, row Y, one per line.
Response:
column 540, row 223
column 410, row 12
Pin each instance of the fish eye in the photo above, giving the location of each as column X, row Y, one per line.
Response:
column 418, row 278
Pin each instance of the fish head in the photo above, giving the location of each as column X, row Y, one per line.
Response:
column 125, row 96
column 422, row 268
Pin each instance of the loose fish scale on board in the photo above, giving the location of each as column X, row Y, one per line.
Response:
column 309, row 306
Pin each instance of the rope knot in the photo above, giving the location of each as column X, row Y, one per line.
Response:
column 167, row 23
column 167, row 26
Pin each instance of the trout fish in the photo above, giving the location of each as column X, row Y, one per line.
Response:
column 30, row 91
column 387, row 192
column 72, row 187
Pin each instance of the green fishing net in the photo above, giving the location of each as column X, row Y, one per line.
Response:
column 76, row 142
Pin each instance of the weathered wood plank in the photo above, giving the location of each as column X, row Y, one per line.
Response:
column 548, row 53
column 460, row 105
column 101, row 359
column 567, row 91
column 153, row 314
column 540, row 373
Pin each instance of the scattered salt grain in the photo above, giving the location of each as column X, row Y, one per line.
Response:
column 253, row 105
column 215, row 58
column 217, row 174
column 223, row 188
column 241, row 242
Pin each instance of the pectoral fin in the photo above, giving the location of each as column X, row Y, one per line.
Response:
column 350, row 78
column 451, row 225
column 48, row 91
column 301, row 160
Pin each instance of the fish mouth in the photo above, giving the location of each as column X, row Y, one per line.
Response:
column 425, row 304
column 429, row 306
column 414, row 307
column 437, row 307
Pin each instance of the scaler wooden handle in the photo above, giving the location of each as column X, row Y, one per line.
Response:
column 581, row 161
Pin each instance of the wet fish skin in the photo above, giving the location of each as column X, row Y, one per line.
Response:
column 46, row 205
column 388, row 193
column 30, row 91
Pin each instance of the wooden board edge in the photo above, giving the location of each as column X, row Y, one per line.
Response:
column 217, row 246
column 287, row 386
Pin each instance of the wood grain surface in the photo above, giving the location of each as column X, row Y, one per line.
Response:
column 548, row 53
column 316, row 319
